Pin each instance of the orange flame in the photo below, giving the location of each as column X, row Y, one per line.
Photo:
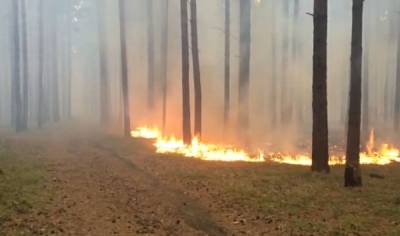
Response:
column 386, row 154
column 197, row 149
column 146, row 133
column 383, row 155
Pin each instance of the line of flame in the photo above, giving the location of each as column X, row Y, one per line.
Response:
column 386, row 154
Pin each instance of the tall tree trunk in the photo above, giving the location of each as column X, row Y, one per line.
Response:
column 320, row 147
column 196, row 71
column 274, row 79
column 56, row 97
column 69, row 62
column 41, row 108
column 164, row 62
column 387, row 104
column 104, row 90
column 296, row 13
column 186, row 126
column 227, row 81
column 244, row 70
column 365, row 102
column 397, row 92
column 296, row 46
column 11, row 28
column 24, row 120
column 353, row 171
column 124, row 70
column 286, row 114
column 150, row 55
column 16, row 83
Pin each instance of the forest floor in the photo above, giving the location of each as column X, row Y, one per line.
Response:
column 61, row 181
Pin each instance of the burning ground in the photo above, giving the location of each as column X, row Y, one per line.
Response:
column 96, row 184
column 382, row 154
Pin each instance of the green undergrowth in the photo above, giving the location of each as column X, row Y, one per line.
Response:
column 23, row 184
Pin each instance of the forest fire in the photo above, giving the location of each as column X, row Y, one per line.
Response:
column 197, row 149
column 383, row 155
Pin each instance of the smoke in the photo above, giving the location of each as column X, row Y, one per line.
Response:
column 280, row 77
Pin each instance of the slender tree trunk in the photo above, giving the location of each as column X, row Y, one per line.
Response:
column 187, row 134
column 353, row 171
column 296, row 13
column 150, row 56
column 124, row 70
column 104, row 90
column 320, row 147
column 11, row 34
column 24, row 120
column 274, row 79
column 227, row 82
column 16, row 83
column 164, row 63
column 286, row 114
column 41, row 108
column 244, row 70
column 397, row 92
column 196, row 71
column 387, row 104
column 69, row 62
column 365, row 102
column 56, row 97
column 296, row 45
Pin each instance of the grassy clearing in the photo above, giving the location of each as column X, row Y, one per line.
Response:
column 22, row 180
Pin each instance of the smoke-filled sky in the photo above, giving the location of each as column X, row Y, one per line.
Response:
column 281, row 63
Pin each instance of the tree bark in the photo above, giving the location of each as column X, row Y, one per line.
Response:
column 16, row 83
column 397, row 92
column 150, row 55
column 244, row 70
column 41, row 108
column 227, row 71
column 196, row 71
column 24, row 119
column 164, row 63
column 124, row 70
column 353, row 172
column 320, row 146
column 365, row 102
column 186, row 126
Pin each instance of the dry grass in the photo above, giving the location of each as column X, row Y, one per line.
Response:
column 298, row 202
column 22, row 181
column 243, row 198
column 274, row 199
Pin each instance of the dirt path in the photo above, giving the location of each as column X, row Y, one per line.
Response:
column 98, row 191
column 192, row 213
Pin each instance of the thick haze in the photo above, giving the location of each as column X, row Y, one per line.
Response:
column 281, row 48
